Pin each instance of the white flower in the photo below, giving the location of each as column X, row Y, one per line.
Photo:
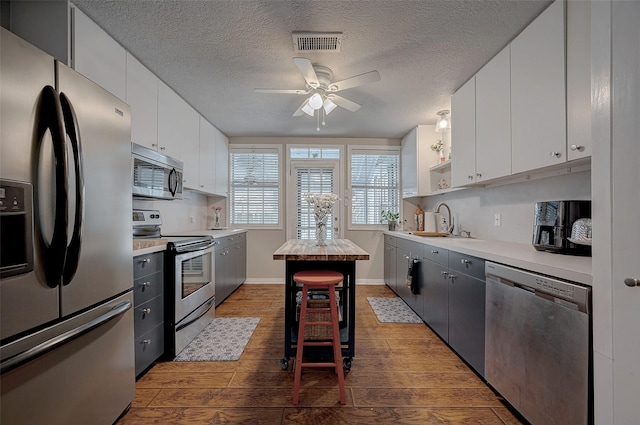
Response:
column 322, row 202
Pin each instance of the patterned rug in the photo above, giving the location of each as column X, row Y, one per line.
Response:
column 223, row 340
column 393, row 310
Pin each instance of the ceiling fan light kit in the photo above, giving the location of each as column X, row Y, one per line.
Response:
column 318, row 81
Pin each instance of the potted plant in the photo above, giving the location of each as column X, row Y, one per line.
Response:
column 439, row 148
column 390, row 217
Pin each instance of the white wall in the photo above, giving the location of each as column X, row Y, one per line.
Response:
column 473, row 209
column 262, row 243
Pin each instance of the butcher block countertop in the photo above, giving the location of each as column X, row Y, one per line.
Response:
column 307, row 250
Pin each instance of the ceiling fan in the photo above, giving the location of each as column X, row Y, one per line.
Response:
column 322, row 89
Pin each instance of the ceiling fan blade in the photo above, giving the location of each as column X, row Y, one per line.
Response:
column 280, row 91
column 344, row 103
column 299, row 111
column 306, row 69
column 358, row 80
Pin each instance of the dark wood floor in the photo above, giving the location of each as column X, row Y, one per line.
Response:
column 401, row 374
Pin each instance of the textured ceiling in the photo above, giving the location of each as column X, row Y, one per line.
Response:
column 214, row 53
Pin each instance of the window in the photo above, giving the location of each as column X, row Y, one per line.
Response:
column 254, row 186
column 375, row 184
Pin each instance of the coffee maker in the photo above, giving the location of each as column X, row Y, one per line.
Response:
column 552, row 227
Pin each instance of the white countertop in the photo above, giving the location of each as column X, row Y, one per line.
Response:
column 216, row 233
column 523, row 256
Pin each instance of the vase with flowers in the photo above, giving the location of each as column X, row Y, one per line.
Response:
column 438, row 147
column 216, row 217
column 322, row 204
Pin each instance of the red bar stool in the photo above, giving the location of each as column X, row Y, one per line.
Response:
column 324, row 280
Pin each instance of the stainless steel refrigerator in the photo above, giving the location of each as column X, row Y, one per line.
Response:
column 66, row 323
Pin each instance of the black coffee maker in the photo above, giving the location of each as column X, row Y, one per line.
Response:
column 553, row 223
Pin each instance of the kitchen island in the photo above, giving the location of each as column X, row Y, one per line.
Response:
column 339, row 255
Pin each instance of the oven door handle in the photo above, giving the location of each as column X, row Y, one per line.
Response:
column 209, row 306
column 197, row 247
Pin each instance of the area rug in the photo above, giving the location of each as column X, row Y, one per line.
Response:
column 223, row 339
column 392, row 310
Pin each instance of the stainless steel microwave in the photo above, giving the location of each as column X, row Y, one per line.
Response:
column 155, row 175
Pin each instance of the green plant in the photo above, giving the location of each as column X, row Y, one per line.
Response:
column 438, row 146
column 389, row 216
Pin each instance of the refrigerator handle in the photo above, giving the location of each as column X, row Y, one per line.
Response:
column 63, row 338
column 73, row 250
column 49, row 118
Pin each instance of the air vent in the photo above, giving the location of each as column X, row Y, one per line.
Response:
column 317, row 41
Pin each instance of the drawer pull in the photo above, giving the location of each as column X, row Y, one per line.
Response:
column 146, row 261
column 146, row 311
column 146, row 341
column 465, row 262
column 433, row 251
column 146, row 284
column 443, row 273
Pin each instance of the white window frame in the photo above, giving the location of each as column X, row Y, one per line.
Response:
column 260, row 147
column 338, row 209
column 368, row 149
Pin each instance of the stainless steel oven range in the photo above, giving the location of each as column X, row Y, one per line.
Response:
column 189, row 281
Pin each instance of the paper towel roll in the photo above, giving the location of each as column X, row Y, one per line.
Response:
column 430, row 221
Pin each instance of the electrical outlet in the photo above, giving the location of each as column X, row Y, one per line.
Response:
column 192, row 219
column 497, row 219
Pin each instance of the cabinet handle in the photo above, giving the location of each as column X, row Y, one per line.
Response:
column 155, row 145
column 555, row 154
column 443, row 273
column 162, row 148
column 146, row 341
column 465, row 262
column 201, row 185
column 146, row 284
column 146, row 311
column 406, row 257
column 452, row 276
column 470, row 177
column 146, row 261
column 577, row 148
column 433, row 251
column 631, row 282
column 479, row 175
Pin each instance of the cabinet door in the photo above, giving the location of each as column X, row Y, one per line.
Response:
column 408, row 166
column 241, row 263
column 578, row 79
column 142, row 97
column 466, row 318
column 390, row 266
column 402, row 265
column 463, row 134
column 207, row 156
column 538, row 112
column 493, row 118
column 97, row 56
column 436, row 297
column 220, row 277
column 179, row 132
column 221, row 149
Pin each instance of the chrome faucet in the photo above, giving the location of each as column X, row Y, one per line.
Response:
column 450, row 225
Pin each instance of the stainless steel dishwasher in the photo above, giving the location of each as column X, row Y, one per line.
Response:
column 538, row 345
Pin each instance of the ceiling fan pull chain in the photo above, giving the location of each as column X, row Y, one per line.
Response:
column 318, row 124
column 323, row 115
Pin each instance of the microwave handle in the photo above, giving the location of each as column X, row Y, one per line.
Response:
column 173, row 182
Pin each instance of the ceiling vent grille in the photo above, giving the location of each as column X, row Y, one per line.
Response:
column 317, row 41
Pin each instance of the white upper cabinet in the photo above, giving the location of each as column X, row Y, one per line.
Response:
column 538, row 103
column 97, row 56
column 493, row 118
column 463, row 135
column 416, row 159
column 578, row 79
column 142, row 97
column 179, row 133
column 221, row 163
column 207, row 156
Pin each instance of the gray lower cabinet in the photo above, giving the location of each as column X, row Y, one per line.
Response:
column 230, row 264
column 467, row 308
column 435, row 278
column 450, row 294
column 390, row 262
column 409, row 255
column 148, row 301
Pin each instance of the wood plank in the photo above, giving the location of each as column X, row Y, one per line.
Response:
column 195, row 416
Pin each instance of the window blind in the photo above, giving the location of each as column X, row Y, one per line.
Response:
column 374, row 185
column 312, row 180
column 254, row 186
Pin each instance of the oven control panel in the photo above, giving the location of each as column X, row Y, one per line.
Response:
column 146, row 218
